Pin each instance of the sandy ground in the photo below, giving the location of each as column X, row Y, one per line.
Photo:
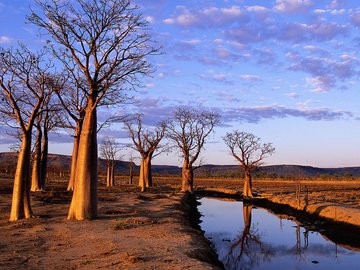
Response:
column 134, row 231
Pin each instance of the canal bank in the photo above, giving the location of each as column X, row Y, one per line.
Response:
column 247, row 235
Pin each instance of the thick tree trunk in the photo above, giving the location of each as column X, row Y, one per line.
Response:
column 74, row 158
column 145, row 177
column 44, row 157
column 20, row 206
column 187, row 176
column 147, row 169
column 36, row 168
column 247, row 185
column 84, row 201
column 142, row 176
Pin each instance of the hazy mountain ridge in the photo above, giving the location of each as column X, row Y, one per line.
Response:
column 56, row 163
column 61, row 163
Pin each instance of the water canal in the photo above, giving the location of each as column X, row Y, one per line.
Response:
column 247, row 237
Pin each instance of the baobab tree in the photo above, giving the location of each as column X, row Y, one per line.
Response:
column 49, row 118
column 103, row 46
column 24, row 77
column 131, row 168
column 109, row 150
column 189, row 130
column 146, row 142
column 247, row 149
column 73, row 101
column 52, row 119
column 36, row 184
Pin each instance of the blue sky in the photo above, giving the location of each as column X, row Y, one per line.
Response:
column 285, row 70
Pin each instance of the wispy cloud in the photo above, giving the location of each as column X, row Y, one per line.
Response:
column 159, row 109
column 292, row 6
column 218, row 77
column 292, row 95
column 5, row 40
column 355, row 18
column 207, row 17
column 326, row 71
column 259, row 113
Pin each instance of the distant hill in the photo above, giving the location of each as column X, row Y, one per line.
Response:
column 56, row 163
column 61, row 163
column 264, row 171
column 281, row 171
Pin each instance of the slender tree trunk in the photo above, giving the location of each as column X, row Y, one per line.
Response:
column 112, row 178
column 44, row 157
column 247, row 185
column 20, row 206
column 107, row 174
column 74, row 157
column 84, row 201
column 187, row 177
column 131, row 173
column 36, row 168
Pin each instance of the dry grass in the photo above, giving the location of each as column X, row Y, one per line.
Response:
column 344, row 191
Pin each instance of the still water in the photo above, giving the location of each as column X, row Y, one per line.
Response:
column 246, row 237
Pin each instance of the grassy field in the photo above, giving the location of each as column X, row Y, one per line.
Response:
column 343, row 191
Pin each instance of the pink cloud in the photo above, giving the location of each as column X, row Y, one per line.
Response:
column 292, row 6
column 207, row 17
column 355, row 18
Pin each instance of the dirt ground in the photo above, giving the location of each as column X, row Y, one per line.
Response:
column 135, row 230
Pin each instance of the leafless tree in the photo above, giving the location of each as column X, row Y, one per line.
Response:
column 248, row 150
column 74, row 103
column 189, row 131
column 24, row 78
column 52, row 119
column 109, row 150
column 49, row 118
column 131, row 168
column 103, row 46
column 146, row 142
column 36, row 164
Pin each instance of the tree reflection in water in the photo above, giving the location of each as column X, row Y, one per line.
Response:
column 248, row 250
column 298, row 249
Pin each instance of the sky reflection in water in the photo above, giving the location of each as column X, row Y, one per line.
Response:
column 246, row 237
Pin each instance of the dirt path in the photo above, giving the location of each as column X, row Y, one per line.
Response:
column 134, row 231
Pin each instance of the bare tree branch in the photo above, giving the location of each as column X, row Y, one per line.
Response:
column 189, row 130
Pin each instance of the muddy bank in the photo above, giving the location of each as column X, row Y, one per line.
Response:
column 334, row 211
column 153, row 230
